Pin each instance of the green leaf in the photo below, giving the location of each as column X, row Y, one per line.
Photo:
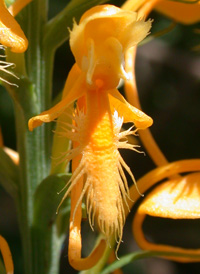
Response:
column 9, row 174
column 47, row 199
column 141, row 255
column 46, row 238
column 125, row 260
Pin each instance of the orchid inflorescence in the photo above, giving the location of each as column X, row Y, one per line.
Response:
column 91, row 115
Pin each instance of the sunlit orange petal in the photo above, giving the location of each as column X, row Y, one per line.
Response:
column 77, row 91
column 130, row 113
column 178, row 199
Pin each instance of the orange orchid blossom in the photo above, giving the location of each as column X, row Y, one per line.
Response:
column 99, row 43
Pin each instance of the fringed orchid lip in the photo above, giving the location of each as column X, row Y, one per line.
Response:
column 175, row 199
column 11, row 34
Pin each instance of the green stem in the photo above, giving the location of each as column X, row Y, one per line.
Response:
column 27, row 188
column 33, row 147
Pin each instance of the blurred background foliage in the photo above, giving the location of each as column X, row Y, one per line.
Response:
column 168, row 77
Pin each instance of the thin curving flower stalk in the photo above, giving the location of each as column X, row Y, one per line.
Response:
column 7, row 256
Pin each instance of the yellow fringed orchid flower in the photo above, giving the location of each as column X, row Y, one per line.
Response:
column 11, row 34
column 99, row 43
column 175, row 199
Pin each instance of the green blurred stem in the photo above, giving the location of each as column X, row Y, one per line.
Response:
column 33, row 147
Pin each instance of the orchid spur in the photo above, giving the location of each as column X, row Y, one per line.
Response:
column 7, row 257
column 101, row 110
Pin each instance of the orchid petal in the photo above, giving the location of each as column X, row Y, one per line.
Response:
column 73, row 94
column 130, row 113
column 134, row 33
column 176, row 199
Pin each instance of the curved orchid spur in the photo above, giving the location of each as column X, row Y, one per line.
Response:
column 99, row 43
column 7, row 257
